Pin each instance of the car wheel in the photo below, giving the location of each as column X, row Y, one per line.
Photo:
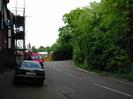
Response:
column 41, row 83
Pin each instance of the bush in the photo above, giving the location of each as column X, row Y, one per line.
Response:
column 119, row 61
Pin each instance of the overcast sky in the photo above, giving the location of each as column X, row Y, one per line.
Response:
column 44, row 17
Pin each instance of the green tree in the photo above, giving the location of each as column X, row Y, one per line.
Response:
column 33, row 49
column 40, row 49
column 99, row 35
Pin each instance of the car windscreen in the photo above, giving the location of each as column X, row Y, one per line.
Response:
column 32, row 65
column 36, row 57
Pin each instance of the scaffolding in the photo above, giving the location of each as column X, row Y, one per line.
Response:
column 19, row 25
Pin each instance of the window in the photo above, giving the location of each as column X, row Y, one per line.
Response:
column 36, row 57
column 33, row 65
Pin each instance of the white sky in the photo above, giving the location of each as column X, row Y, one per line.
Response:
column 44, row 17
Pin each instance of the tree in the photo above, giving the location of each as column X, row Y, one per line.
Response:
column 99, row 35
column 40, row 49
column 33, row 49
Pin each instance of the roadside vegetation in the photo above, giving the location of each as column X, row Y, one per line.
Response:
column 99, row 37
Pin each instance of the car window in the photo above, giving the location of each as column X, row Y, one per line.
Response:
column 30, row 65
column 36, row 57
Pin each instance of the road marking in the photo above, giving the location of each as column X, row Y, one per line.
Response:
column 56, row 68
column 114, row 90
column 116, row 79
column 70, row 75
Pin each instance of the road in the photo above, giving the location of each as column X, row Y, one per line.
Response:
column 76, row 84
column 65, row 81
column 8, row 90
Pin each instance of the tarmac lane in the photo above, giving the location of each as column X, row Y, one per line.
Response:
column 75, row 83
column 8, row 90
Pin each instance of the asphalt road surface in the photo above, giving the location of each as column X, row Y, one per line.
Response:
column 8, row 90
column 65, row 81
column 76, row 84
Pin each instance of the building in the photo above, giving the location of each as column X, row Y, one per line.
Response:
column 12, row 35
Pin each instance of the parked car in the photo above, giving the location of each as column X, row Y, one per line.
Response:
column 29, row 71
column 37, row 57
column 34, row 56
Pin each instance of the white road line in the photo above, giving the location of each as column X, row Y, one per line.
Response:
column 70, row 75
column 114, row 90
column 116, row 80
column 56, row 68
